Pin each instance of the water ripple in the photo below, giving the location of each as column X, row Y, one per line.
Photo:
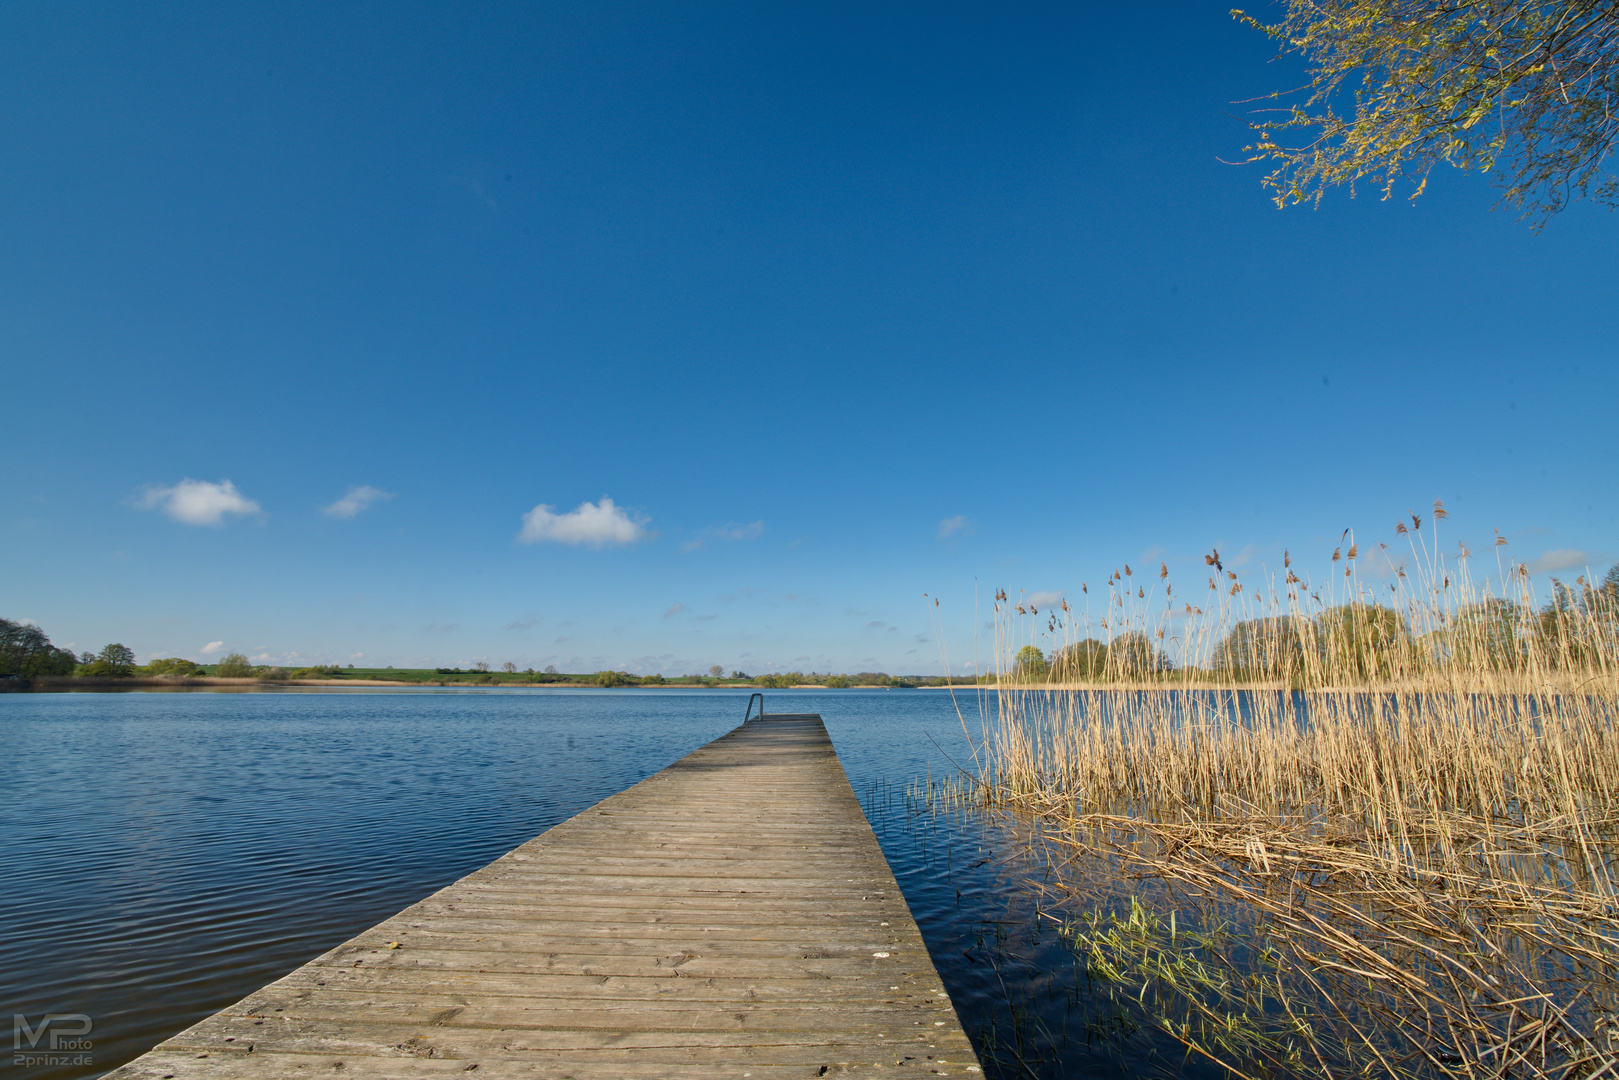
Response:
column 163, row 855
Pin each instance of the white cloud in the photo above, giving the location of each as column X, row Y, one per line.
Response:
column 673, row 611
column 1560, row 559
column 950, row 526
column 213, row 647
column 1044, row 600
column 358, row 499
column 592, row 524
column 729, row 532
column 198, row 502
column 1248, row 554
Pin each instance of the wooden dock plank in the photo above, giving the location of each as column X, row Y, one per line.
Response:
column 730, row 916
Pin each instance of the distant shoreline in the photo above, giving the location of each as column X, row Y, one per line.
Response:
column 162, row 682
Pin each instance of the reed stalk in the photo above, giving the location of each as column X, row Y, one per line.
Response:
column 1403, row 788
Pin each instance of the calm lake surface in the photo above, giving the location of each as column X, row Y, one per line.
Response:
column 164, row 854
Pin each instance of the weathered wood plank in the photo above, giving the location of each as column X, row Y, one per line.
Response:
column 730, row 916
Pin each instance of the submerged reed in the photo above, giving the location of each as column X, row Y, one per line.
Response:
column 1403, row 794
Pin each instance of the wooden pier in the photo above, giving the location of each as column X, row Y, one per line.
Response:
column 730, row 916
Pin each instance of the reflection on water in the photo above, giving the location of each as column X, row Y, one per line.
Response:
column 165, row 854
column 998, row 919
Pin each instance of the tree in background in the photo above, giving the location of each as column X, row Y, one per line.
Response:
column 26, row 652
column 1522, row 90
column 1082, row 660
column 113, row 662
column 173, row 666
column 1029, row 663
column 1580, row 623
column 234, row 666
column 1491, row 634
column 509, row 668
column 1604, row 602
column 1133, row 654
column 1360, row 641
column 716, row 671
column 1270, row 648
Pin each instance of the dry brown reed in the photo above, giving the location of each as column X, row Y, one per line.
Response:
column 1404, row 789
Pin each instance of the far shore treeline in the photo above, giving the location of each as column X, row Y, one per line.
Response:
column 1249, row 650
column 26, row 653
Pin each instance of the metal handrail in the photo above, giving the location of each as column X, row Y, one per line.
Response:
column 749, row 714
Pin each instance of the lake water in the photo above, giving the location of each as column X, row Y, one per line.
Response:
column 164, row 854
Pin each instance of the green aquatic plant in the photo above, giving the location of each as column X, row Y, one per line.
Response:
column 1186, row 979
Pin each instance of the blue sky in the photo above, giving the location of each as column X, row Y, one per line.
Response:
column 837, row 304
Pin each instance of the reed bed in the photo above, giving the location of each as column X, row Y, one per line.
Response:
column 1384, row 808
